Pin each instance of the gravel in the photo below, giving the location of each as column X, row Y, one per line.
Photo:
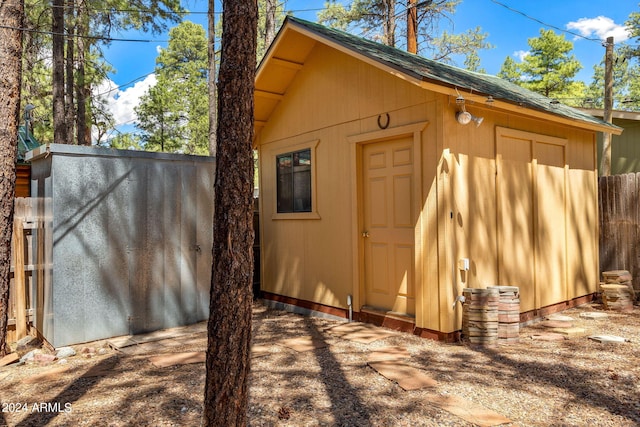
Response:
column 573, row 382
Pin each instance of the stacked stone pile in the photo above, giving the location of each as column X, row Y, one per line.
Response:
column 508, row 314
column 617, row 290
column 480, row 316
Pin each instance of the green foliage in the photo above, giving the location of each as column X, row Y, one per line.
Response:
column 124, row 141
column 369, row 18
column 173, row 114
column 549, row 68
column 472, row 63
column 335, row 15
column 626, row 84
column 104, row 18
column 146, row 15
column 466, row 44
column 509, row 71
column 633, row 25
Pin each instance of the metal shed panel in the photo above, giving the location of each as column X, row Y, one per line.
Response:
column 125, row 246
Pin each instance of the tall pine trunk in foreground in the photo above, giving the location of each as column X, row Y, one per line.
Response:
column 229, row 328
column 11, row 17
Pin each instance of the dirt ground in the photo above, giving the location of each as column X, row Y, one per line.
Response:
column 575, row 381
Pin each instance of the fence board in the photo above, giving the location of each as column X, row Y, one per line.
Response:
column 22, row 266
column 620, row 223
column 20, row 294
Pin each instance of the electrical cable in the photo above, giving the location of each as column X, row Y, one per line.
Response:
column 544, row 23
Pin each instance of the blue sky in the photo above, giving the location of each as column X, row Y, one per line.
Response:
column 508, row 32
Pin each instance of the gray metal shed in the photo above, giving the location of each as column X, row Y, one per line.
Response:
column 127, row 241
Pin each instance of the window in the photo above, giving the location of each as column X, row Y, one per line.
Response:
column 294, row 181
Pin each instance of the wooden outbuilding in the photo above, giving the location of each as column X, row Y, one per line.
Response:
column 390, row 182
column 625, row 148
column 26, row 142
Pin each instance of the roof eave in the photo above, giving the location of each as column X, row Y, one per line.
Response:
column 434, row 85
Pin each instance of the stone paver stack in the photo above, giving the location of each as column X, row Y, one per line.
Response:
column 508, row 314
column 617, row 290
column 480, row 316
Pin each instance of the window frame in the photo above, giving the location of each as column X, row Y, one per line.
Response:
column 313, row 213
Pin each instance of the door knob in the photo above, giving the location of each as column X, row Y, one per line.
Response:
column 365, row 234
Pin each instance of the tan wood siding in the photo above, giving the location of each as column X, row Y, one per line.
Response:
column 23, row 180
column 481, row 197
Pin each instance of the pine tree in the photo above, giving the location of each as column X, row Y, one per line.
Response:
column 509, row 71
column 229, row 327
column 376, row 20
column 171, row 113
column 11, row 19
column 549, row 68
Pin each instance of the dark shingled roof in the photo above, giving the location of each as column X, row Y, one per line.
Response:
column 443, row 74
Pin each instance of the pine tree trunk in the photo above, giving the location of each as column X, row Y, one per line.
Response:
column 390, row 23
column 213, row 103
column 270, row 23
column 11, row 18
column 229, row 328
column 70, row 72
column 412, row 27
column 57, row 28
column 83, row 90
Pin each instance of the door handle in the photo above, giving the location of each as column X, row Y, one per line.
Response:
column 365, row 234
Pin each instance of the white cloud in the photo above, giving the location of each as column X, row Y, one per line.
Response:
column 602, row 27
column 122, row 102
column 520, row 54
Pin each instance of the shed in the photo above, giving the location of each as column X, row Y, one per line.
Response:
column 126, row 241
column 381, row 195
column 625, row 148
column 26, row 142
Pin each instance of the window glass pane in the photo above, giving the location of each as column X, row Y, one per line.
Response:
column 285, row 183
column 302, row 158
column 302, row 191
column 294, row 181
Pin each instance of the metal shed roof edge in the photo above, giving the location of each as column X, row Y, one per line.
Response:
column 78, row 150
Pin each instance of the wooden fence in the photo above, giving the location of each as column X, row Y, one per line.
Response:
column 26, row 250
column 618, row 199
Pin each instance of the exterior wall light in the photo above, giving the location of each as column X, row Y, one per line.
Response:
column 464, row 118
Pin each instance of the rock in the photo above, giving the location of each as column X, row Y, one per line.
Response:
column 594, row 315
column 88, row 350
column 65, row 352
column 556, row 324
column 560, row 318
column 28, row 357
column 548, row 336
column 26, row 344
column 26, row 341
column 571, row 332
column 607, row 339
column 44, row 359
